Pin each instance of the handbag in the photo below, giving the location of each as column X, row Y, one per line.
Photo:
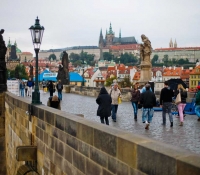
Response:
column 178, row 98
column 119, row 100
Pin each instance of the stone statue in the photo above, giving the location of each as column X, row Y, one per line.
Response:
column 145, row 49
column 63, row 72
column 145, row 53
column 31, row 71
column 3, row 49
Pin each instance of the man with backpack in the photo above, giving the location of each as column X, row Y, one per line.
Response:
column 59, row 87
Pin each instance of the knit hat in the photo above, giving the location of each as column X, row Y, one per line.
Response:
column 55, row 98
column 198, row 87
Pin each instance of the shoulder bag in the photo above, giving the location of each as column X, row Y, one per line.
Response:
column 178, row 98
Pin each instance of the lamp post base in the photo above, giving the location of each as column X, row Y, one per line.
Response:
column 36, row 98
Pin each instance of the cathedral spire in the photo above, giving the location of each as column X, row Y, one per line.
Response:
column 15, row 43
column 175, row 44
column 171, row 43
column 110, row 29
column 9, row 43
column 120, row 36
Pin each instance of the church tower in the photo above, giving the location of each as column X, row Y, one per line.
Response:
column 101, row 43
column 170, row 44
column 120, row 36
column 175, row 44
column 109, row 37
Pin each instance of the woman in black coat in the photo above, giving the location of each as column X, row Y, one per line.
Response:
column 50, row 87
column 104, row 101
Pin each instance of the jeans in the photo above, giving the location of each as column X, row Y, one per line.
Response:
column 60, row 95
column 22, row 92
column 197, row 110
column 114, row 111
column 106, row 119
column 147, row 115
column 181, row 107
column 167, row 106
column 135, row 108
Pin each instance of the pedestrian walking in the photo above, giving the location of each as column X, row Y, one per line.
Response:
column 21, row 87
column 182, row 104
column 115, row 94
column 26, row 89
column 59, row 87
column 104, row 101
column 43, row 85
column 54, row 102
column 135, row 97
column 148, row 100
column 166, row 96
column 51, row 88
column 30, row 85
column 197, row 101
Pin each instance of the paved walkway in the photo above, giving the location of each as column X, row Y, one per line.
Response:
column 187, row 136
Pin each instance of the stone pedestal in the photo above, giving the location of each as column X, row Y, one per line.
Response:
column 66, row 88
column 145, row 73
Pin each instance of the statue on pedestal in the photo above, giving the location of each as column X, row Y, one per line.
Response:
column 3, row 49
column 145, row 53
column 145, row 50
column 63, row 72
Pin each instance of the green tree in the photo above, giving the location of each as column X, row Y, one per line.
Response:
column 109, row 81
column 19, row 72
column 125, row 82
column 52, row 56
column 165, row 59
column 154, row 59
column 108, row 56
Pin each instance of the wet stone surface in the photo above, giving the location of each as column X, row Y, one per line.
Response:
column 186, row 136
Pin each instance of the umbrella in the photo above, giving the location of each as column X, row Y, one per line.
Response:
column 173, row 83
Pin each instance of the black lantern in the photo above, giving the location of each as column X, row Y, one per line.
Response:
column 37, row 34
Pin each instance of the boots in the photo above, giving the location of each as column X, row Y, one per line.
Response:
column 181, row 124
column 135, row 117
column 171, row 124
column 147, row 126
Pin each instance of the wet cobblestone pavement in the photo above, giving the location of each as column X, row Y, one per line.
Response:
column 187, row 136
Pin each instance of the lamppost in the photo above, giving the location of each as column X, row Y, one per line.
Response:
column 36, row 33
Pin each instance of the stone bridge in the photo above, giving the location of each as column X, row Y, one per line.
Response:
column 67, row 144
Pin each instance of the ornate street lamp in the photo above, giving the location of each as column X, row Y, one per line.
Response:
column 36, row 33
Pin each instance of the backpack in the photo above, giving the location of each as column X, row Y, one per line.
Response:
column 59, row 86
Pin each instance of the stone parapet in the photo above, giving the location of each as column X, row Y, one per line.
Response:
column 71, row 145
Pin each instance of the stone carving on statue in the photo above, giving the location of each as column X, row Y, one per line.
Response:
column 63, row 72
column 145, row 53
column 145, row 50
column 3, row 49
column 31, row 71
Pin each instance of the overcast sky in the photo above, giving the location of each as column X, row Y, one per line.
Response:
column 78, row 22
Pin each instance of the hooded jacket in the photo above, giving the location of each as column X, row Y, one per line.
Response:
column 104, row 101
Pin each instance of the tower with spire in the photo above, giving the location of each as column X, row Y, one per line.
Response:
column 171, row 44
column 175, row 44
column 110, row 36
column 111, row 40
column 101, row 41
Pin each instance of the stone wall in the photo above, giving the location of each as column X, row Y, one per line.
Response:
column 2, row 135
column 71, row 145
